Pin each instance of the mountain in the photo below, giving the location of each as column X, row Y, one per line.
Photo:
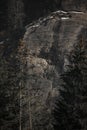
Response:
column 48, row 41
column 34, row 44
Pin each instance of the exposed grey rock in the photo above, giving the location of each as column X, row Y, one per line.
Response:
column 48, row 42
column 34, row 67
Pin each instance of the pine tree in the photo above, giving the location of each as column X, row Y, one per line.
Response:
column 70, row 108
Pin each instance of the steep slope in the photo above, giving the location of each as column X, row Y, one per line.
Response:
column 48, row 41
column 31, row 68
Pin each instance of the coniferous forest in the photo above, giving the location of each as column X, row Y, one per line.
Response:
column 70, row 108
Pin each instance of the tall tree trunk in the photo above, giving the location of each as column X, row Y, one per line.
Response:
column 29, row 106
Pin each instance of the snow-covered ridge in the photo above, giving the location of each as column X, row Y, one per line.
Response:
column 62, row 15
column 64, row 18
column 58, row 13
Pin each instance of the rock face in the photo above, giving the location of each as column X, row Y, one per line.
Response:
column 48, row 41
column 31, row 68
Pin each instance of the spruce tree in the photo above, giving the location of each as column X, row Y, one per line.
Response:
column 70, row 108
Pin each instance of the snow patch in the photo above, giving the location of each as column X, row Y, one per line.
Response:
column 51, row 17
column 61, row 11
column 76, row 12
column 65, row 18
column 36, row 25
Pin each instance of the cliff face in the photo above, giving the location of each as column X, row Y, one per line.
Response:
column 31, row 68
column 48, row 41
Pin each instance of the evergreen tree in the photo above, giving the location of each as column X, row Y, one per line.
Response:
column 70, row 108
column 11, row 88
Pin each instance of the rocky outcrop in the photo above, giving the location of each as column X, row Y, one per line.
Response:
column 48, row 42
